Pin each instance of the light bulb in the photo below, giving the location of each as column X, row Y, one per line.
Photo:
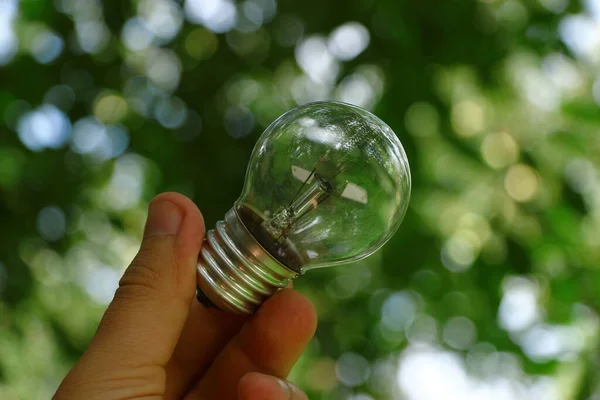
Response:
column 327, row 183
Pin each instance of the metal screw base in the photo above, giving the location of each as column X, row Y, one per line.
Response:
column 235, row 273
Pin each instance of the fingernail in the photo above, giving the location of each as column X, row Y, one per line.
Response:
column 290, row 390
column 285, row 388
column 294, row 389
column 164, row 218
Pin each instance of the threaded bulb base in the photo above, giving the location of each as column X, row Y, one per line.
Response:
column 235, row 274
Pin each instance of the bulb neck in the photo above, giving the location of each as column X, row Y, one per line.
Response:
column 235, row 274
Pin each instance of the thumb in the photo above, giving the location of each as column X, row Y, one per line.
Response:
column 145, row 319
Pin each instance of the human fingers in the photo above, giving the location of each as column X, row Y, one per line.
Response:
column 271, row 342
column 206, row 332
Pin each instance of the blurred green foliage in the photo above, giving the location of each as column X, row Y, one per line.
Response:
column 491, row 288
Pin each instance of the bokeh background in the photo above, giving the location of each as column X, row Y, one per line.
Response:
column 491, row 288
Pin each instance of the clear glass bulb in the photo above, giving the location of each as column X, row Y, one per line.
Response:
column 327, row 183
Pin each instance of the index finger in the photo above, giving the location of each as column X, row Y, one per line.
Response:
column 271, row 343
column 206, row 332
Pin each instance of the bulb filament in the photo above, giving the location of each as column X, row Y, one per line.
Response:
column 281, row 223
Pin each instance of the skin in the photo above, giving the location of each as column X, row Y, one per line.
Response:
column 156, row 341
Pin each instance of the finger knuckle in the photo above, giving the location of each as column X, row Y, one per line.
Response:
column 146, row 270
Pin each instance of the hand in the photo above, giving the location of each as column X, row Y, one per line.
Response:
column 156, row 341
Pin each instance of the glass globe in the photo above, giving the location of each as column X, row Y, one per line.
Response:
column 327, row 183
